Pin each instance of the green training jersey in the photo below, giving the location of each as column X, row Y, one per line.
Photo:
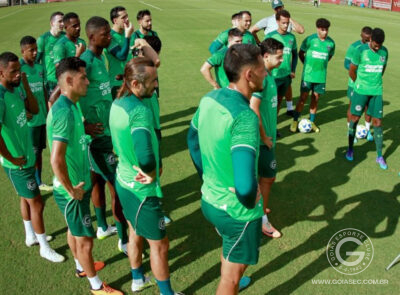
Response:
column 127, row 115
column 154, row 106
column 370, row 69
column 35, row 76
column 224, row 122
column 139, row 35
column 97, row 102
column 64, row 123
column 115, row 66
column 289, row 42
column 268, row 107
column 65, row 48
column 217, row 61
column 349, row 55
column 248, row 38
column 45, row 44
column 317, row 55
column 14, row 127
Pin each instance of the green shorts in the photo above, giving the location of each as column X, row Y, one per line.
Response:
column 282, row 85
column 38, row 136
column 314, row 87
column 146, row 216
column 24, row 181
column 374, row 103
column 267, row 162
column 103, row 161
column 76, row 214
column 350, row 92
column 240, row 240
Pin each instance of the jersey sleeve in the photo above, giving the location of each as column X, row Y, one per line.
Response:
column 245, row 131
column 2, row 108
column 223, row 38
column 63, row 125
column 40, row 44
column 140, row 118
column 58, row 52
column 332, row 51
column 355, row 59
column 304, row 44
column 347, row 58
column 294, row 43
column 88, row 60
column 216, row 59
column 262, row 23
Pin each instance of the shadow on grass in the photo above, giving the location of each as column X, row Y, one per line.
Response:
column 179, row 114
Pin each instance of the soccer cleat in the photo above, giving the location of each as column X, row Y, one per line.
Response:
column 244, row 282
column 101, row 234
column 293, row 126
column 370, row 136
column 45, row 187
column 167, row 220
column 270, row 231
column 314, row 127
column 106, row 290
column 123, row 248
column 349, row 155
column 98, row 265
column 32, row 241
column 381, row 161
column 51, row 255
column 290, row 113
column 141, row 286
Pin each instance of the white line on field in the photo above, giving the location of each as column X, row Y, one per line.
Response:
column 150, row 5
column 4, row 16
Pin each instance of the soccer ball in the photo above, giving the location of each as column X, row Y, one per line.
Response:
column 361, row 132
column 304, row 126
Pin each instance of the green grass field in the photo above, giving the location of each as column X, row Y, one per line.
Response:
column 316, row 194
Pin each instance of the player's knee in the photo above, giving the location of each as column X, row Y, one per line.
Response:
column 376, row 122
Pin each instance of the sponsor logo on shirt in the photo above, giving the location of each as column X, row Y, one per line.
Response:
column 373, row 68
column 287, row 50
column 82, row 142
column 21, row 119
column 274, row 101
column 319, row 55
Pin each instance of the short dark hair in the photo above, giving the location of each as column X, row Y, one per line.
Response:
column 378, row 35
column 323, row 23
column 241, row 13
column 283, row 13
column 235, row 15
column 238, row 56
column 270, row 46
column 68, row 16
column 54, row 14
column 69, row 64
column 142, row 13
column 154, row 42
column 27, row 40
column 367, row 30
column 7, row 57
column 114, row 12
column 234, row 33
column 94, row 23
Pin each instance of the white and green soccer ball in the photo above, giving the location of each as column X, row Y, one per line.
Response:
column 304, row 126
column 361, row 132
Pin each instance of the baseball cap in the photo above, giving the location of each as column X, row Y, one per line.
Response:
column 276, row 4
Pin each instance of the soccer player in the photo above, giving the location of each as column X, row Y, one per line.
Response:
column 70, row 44
column 46, row 44
column 243, row 25
column 269, row 24
column 138, row 179
column 235, row 19
column 265, row 105
column 118, row 50
column 95, row 107
column 367, row 67
column 223, row 141
column 70, row 163
column 36, row 123
column 286, row 72
column 145, row 26
column 17, row 155
column 315, row 53
column 365, row 38
column 235, row 36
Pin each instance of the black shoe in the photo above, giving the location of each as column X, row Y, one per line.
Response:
column 290, row 113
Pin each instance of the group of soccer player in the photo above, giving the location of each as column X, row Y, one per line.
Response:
column 102, row 123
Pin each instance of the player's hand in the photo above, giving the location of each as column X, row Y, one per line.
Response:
column 292, row 75
column 93, row 129
column 24, row 79
column 19, row 161
column 29, row 116
column 128, row 29
column 140, row 43
column 144, row 178
column 119, row 77
column 78, row 191
column 258, row 197
column 160, row 171
column 80, row 48
column 268, row 142
column 216, row 86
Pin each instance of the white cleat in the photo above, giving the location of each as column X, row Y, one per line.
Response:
column 51, row 255
column 123, row 247
column 32, row 241
column 141, row 286
column 101, row 234
column 45, row 187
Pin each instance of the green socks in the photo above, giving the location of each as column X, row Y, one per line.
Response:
column 378, row 140
column 101, row 217
column 351, row 133
column 121, row 227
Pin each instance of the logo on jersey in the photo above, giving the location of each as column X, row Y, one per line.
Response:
column 31, row 184
column 87, row 220
column 41, row 74
column 290, row 42
column 21, row 119
column 382, row 59
column 272, row 165
column 82, row 141
column 358, row 108
column 21, row 95
column 329, row 47
column 111, row 159
column 161, row 223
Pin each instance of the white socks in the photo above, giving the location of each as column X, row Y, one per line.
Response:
column 78, row 265
column 42, row 239
column 265, row 219
column 289, row 105
column 95, row 283
column 29, row 229
column 368, row 125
